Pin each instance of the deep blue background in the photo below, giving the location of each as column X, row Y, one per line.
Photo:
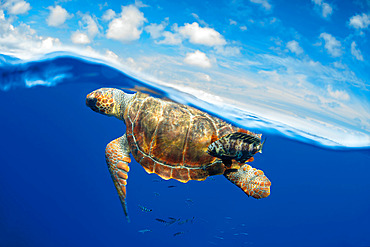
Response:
column 55, row 188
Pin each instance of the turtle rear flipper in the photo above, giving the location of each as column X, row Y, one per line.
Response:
column 252, row 181
column 238, row 146
column 117, row 156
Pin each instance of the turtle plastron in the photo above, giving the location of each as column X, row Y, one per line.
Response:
column 117, row 156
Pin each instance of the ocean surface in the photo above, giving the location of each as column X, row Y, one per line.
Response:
column 55, row 188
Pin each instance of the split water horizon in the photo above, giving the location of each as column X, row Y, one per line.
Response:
column 56, row 189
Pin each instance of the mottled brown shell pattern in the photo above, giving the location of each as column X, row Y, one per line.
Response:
column 171, row 139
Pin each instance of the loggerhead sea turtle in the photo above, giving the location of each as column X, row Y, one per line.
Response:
column 172, row 140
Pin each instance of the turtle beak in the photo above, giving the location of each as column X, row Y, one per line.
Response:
column 91, row 102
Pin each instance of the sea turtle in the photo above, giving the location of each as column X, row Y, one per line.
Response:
column 171, row 140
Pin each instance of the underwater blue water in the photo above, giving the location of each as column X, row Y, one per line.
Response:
column 55, row 188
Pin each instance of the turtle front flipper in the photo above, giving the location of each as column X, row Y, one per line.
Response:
column 252, row 181
column 238, row 146
column 117, row 155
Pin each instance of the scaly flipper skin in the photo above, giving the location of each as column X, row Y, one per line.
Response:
column 252, row 181
column 117, row 155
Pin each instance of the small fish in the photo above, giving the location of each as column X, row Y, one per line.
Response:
column 161, row 220
column 189, row 201
column 167, row 223
column 186, row 221
column 178, row 233
column 182, row 222
column 228, row 218
column 145, row 230
column 171, row 186
column 156, row 194
column 244, row 233
column 172, row 220
column 144, row 209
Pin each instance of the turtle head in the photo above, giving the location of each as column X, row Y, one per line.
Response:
column 108, row 101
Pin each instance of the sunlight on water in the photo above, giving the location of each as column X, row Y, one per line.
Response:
column 62, row 67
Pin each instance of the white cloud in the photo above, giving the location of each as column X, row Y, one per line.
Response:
column 201, row 35
column 360, row 21
column 193, row 32
column 128, row 26
column 101, row 6
column 332, row 45
column 228, row 50
column 49, row 43
column 140, row 4
column 197, row 18
column 338, row 94
column 89, row 30
column 198, row 58
column 243, row 28
column 90, row 25
column 356, row 52
column 57, row 16
column 80, row 38
column 325, row 9
column 22, row 40
column 294, row 47
column 203, row 77
column 130, row 62
column 2, row 16
column 108, row 15
column 264, row 3
column 16, row 7
column 156, row 30
column 170, row 38
column 272, row 75
column 339, row 65
column 111, row 55
column 232, row 22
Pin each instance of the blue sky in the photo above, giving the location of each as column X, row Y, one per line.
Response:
column 304, row 63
